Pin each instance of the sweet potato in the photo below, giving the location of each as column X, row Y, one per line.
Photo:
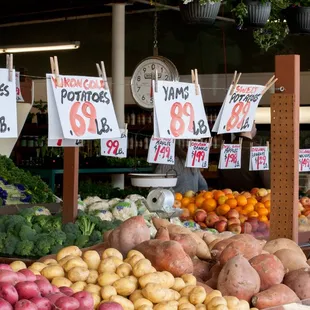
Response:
column 214, row 274
column 276, row 295
column 299, row 282
column 238, row 278
column 275, row 245
column 130, row 233
column 201, row 269
column 291, row 260
column 106, row 235
column 188, row 243
column 269, row 268
column 162, row 234
column 242, row 247
column 166, row 256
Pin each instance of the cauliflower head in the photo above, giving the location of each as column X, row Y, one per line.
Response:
column 90, row 200
column 104, row 215
column 99, row 205
column 125, row 210
column 41, row 211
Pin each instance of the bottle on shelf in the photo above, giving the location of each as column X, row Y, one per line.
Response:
column 150, row 119
column 127, row 118
column 141, row 144
column 214, row 142
column 139, row 119
column 143, row 121
column 132, row 118
column 146, row 143
column 131, row 143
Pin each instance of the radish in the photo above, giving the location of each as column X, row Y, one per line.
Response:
column 27, row 290
column 110, row 306
column 24, row 304
column 53, row 297
column 85, row 299
column 8, row 276
column 4, row 305
column 67, row 303
column 44, row 286
column 8, row 293
column 66, row 290
column 30, row 276
column 42, row 303
column 5, row 267
column 21, row 277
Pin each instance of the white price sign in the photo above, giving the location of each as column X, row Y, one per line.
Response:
column 237, row 113
column 116, row 147
column 179, row 111
column 161, row 151
column 64, row 143
column 198, row 155
column 19, row 95
column 8, row 105
column 230, row 157
column 259, row 158
column 304, row 160
column 84, row 108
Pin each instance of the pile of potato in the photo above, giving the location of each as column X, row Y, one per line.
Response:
column 132, row 282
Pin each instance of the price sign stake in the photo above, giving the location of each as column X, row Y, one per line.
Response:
column 161, row 151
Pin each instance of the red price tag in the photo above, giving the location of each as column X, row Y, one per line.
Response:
column 259, row 158
column 260, row 161
column 112, row 146
column 239, row 116
column 198, row 156
column 230, row 157
column 304, row 160
column 163, row 151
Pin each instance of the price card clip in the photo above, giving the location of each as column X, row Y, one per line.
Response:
column 272, row 80
column 55, row 68
column 195, row 80
column 9, row 65
column 156, row 81
column 222, row 144
column 267, row 144
column 251, row 145
column 102, row 74
column 235, row 81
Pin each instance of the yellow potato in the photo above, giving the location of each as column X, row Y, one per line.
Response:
column 155, row 277
column 132, row 260
column 197, row 295
column 187, row 290
column 92, row 259
column 63, row 261
column 136, row 295
column 214, row 293
column 109, row 264
column 50, row 261
column 166, row 305
column 134, row 252
column 189, row 279
column 145, row 307
column 179, row 284
column 78, row 286
column 156, row 293
column 219, row 307
column 243, row 305
column 52, row 271
column 126, row 286
column 112, row 252
column 18, row 265
column 142, row 302
column 142, row 267
column 35, row 272
column 169, row 279
column 61, row 281
column 183, row 300
column 124, row 302
column 215, row 302
column 186, row 306
column 37, row 266
column 124, row 270
column 74, row 262
column 70, row 250
column 92, row 277
column 96, row 299
column 93, row 288
column 232, row 302
column 76, row 274
column 107, row 291
column 107, row 278
column 201, row 307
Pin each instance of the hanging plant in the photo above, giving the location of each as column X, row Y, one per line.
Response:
column 298, row 16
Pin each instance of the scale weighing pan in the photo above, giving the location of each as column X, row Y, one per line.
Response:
column 153, row 179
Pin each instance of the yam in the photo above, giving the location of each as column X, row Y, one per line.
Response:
column 166, row 256
column 214, row 271
column 129, row 234
column 238, row 278
column 162, row 234
column 269, row 268
column 299, row 282
column 201, row 269
column 276, row 295
column 275, row 245
column 187, row 242
column 291, row 259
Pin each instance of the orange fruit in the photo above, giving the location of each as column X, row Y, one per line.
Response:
column 209, row 205
column 252, row 201
column 232, row 202
column 239, row 209
column 178, row 196
column 248, row 208
column 262, row 211
column 223, row 209
column 185, row 202
column 208, row 195
column 217, row 194
column 258, row 206
column 230, row 196
column 263, row 218
column 267, row 204
column 192, row 208
column 222, row 200
column 253, row 214
column 246, row 195
column 199, row 201
column 241, row 200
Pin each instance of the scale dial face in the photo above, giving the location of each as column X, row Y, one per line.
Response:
column 144, row 74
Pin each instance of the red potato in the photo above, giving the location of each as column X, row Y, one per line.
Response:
column 5, row 267
column 166, row 256
column 269, row 268
column 25, row 304
column 55, row 289
column 85, row 299
column 67, row 303
column 27, row 290
column 110, row 306
column 276, row 295
column 42, row 303
column 8, row 276
column 39, row 277
column 53, row 297
column 4, row 305
column 129, row 234
column 238, row 278
column 66, row 290
column 299, row 282
column 30, row 276
column 8, row 293
column 162, row 234
column 187, row 242
column 201, row 269
column 21, row 277
column 44, row 286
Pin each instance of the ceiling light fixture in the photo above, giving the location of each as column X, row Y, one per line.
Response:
column 40, row 47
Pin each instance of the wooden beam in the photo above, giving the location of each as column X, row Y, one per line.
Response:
column 285, row 149
column 70, row 184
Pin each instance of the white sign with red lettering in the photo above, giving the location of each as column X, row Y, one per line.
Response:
column 116, row 147
column 304, row 160
column 230, row 157
column 259, row 158
column 238, row 110
column 19, row 96
column 197, row 155
column 161, row 151
column 64, row 143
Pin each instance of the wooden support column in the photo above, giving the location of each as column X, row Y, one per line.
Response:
column 70, row 184
column 284, row 149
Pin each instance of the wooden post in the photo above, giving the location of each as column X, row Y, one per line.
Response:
column 284, row 147
column 70, row 184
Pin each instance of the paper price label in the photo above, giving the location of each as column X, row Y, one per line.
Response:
column 198, row 155
column 161, row 151
column 184, row 116
column 259, row 158
column 230, row 157
column 8, row 107
column 19, row 96
column 238, row 112
column 85, row 108
column 304, row 160
column 116, row 147
column 64, row 143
